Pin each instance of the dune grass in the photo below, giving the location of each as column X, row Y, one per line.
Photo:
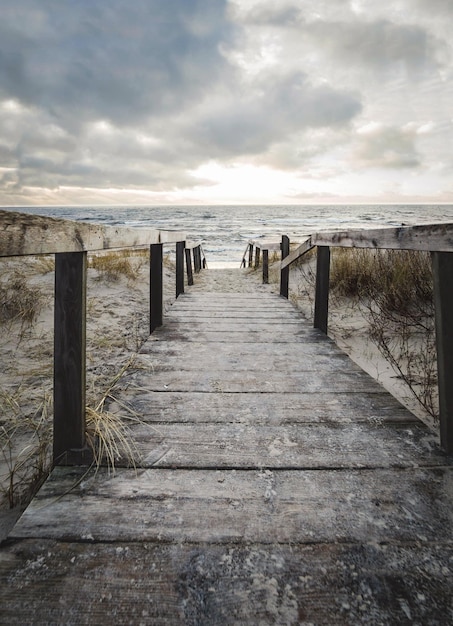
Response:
column 393, row 291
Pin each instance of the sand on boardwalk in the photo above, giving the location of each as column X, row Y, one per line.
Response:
column 117, row 325
column 118, row 321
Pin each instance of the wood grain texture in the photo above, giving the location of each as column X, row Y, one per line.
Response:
column 276, row 483
column 49, row 582
column 69, row 389
column 23, row 234
column 429, row 237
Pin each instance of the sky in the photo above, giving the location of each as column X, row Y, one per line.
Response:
column 225, row 101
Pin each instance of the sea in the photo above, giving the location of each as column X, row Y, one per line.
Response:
column 225, row 230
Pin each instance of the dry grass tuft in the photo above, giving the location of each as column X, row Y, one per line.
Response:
column 393, row 291
column 25, row 448
column 109, row 435
column 18, row 301
column 114, row 265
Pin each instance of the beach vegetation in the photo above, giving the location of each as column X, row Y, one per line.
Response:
column 19, row 301
column 113, row 265
column 393, row 291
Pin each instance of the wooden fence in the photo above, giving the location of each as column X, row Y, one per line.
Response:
column 23, row 234
column 257, row 249
column 434, row 238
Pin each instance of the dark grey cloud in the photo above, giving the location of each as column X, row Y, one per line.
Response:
column 278, row 107
column 119, row 60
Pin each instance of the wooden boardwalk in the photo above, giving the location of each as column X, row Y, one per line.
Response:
column 279, row 484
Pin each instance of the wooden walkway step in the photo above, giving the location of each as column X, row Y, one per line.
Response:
column 278, row 484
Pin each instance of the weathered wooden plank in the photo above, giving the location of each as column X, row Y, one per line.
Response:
column 263, row 357
column 428, row 237
column 227, row 324
column 257, row 506
column 298, row 446
column 22, row 234
column 134, row 583
column 69, row 353
column 256, row 408
column 315, row 347
column 302, row 249
column 265, row 244
column 237, row 336
column 260, row 381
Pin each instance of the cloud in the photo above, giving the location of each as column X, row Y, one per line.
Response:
column 387, row 147
column 139, row 95
column 272, row 111
column 357, row 40
column 118, row 60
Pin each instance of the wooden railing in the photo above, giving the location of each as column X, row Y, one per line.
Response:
column 257, row 249
column 434, row 238
column 23, row 234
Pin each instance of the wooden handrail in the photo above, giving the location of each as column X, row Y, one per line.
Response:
column 427, row 237
column 24, row 234
column 260, row 246
column 434, row 238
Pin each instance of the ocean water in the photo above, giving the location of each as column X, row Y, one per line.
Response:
column 225, row 230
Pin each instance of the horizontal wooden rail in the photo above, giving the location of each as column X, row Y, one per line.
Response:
column 194, row 251
column 434, row 238
column 24, row 234
column 261, row 248
column 428, row 237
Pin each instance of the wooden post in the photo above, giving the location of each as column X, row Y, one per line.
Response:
column 322, row 288
column 250, row 254
column 265, row 266
column 284, row 273
column 180, row 247
column 257, row 257
column 197, row 259
column 189, row 266
column 155, row 287
column 442, row 263
column 69, row 354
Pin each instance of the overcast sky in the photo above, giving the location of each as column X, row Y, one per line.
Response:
column 220, row 101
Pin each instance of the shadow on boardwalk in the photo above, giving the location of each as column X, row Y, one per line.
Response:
column 279, row 484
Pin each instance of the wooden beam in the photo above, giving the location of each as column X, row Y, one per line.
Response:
column 24, row 234
column 250, row 254
column 443, row 299
column 69, row 354
column 429, row 237
column 189, row 266
column 304, row 247
column 180, row 247
column 284, row 272
column 197, row 259
column 265, row 267
column 156, row 287
column 322, row 288
column 257, row 257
